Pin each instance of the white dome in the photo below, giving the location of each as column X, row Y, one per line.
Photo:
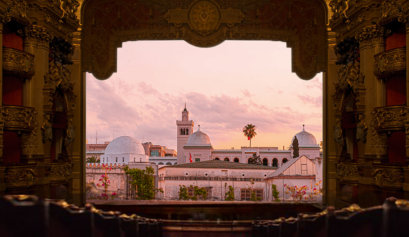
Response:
column 305, row 139
column 124, row 145
column 198, row 138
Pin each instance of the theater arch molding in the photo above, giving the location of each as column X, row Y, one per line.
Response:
column 106, row 24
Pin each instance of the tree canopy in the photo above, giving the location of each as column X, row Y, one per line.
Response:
column 249, row 131
column 296, row 149
column 255, row 160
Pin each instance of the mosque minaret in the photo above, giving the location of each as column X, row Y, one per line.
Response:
column 184, row 129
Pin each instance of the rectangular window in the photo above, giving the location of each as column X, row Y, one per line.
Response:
column 154, row 153
column 246, row 193
column 197, row 159
column 304, row 169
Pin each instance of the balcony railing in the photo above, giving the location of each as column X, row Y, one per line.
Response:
column 18, row 118
column 390, row 118
column 23, row 215
column 18, row 62
column 390, row 62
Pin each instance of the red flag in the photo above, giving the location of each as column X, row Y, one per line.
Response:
column 248, row 137
column 190, row 158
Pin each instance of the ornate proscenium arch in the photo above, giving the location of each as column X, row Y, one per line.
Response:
column 204, row 23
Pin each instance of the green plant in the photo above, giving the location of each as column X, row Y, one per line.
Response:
column 197, row 193
column 256, row 160
column 143, row 181
column 275, row 193
column 296, row 148
column 105, row 181
column 92, row 159
column 230, row 194
column 183, row 193
column 253, row 196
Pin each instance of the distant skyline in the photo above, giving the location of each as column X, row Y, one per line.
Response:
column 225, row 87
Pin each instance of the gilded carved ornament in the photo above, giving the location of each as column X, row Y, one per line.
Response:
column 68, row 7
column 204, row 23
column 390, row 62
column 370, row 32
column 60, row 171
column 339, row 10
column 377, row 142
column 59, row 77
column 394, row 9
column 18, row 118
column 390, row 117
column 30, row 145
column 204, row 17
column 15, row 9
column 387, row 177
column 361, row 129
column 18, row 62
column 20, row 177
column 37, row 32
column 345, row 170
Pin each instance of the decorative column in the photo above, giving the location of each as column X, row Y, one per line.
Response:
column 37, row 43
column 330, row 159
column 2, row 168
column 78, row 124
column 371, row 42
column 405, row 184
column 1, row 97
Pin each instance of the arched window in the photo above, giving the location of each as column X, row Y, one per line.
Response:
column 160, row 163
column 217, row 158
column 285, row 160
column 236, row 160
column 275, row 162
column 168, row 163
column 226, row 159
column 265, row 162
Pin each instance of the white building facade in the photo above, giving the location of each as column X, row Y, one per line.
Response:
column 197, row 147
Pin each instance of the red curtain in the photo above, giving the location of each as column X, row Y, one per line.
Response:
column 396, row 40
column 396, row 147
column 395, row 91
column 12, row 147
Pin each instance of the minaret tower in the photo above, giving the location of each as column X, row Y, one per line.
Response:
column 184, row 129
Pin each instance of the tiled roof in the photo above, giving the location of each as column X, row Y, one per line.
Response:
column 222, row 165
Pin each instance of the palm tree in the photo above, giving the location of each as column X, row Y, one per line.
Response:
column 249, row 131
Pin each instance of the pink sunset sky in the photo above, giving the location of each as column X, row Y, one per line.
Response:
column 225, row 87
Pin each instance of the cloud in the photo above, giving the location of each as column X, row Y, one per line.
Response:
column 316, row 101
column 147, row 89
column 315, row 83
column 114, row 112
column 246, row 93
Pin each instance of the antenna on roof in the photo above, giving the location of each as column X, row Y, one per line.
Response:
column 303, row 127
column 199, row 127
